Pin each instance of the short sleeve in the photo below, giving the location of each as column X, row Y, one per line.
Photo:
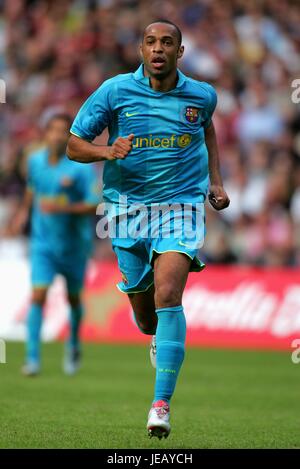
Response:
column 94, row 115
column 210, row 105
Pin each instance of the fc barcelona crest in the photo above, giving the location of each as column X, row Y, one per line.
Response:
column 192, row 114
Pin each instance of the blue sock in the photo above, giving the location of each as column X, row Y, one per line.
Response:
column 34, row 324
column 76, row 314
column 170, row 339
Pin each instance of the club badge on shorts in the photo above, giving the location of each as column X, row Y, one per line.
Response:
column 124, row 278
column 192, row 114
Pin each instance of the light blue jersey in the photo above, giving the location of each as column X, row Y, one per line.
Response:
column 168, row 162
column 61, row 234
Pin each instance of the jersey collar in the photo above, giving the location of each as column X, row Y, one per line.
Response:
column 139, row 76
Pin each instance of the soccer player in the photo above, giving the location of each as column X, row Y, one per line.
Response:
column 62, row 197
column 162, row 149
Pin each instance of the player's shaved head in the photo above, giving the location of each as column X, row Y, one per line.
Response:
column 177, row 31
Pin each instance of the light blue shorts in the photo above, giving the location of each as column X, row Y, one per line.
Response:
column 44, row 267
column 169, row 233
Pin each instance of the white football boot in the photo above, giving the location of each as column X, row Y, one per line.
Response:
column 153, row 351
column 31, row 369
column 72, row 361
column 159, row 420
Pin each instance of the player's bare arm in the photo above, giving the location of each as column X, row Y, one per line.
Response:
column 217, row 194
column 76, row 208
column 83, row 151
column 19, row 220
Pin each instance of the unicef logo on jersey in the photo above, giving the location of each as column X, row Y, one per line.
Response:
column 172, row 141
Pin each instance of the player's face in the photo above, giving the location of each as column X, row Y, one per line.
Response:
column 160, row 50
column 57, row 135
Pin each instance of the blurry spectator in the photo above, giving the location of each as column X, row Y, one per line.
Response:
column 259, row 119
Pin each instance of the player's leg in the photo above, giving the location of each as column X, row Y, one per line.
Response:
column 42, row 275
column 137, row 282
column 34, row 324
column 143, row 307
column 170, row 275
column 74, row 275
column 72, row 356
column 76, row 315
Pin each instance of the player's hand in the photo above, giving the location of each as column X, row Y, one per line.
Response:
column 218, row 197
column 51, row 206
column 120, row 148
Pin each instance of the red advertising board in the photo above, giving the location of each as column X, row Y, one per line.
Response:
column 241, row 307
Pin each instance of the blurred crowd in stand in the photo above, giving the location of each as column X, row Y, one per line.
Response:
column 53, row 54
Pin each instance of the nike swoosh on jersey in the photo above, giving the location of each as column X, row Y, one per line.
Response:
column 129, row 114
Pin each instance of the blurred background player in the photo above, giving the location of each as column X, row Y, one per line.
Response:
column 168, row 157
column 62, row 196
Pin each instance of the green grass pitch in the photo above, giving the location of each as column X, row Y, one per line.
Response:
column 224, row 399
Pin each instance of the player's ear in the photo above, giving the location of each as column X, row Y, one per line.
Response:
column 180, row 52
column 141, row 51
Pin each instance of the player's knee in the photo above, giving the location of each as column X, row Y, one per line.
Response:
column 166, row 295
column 39, row 296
